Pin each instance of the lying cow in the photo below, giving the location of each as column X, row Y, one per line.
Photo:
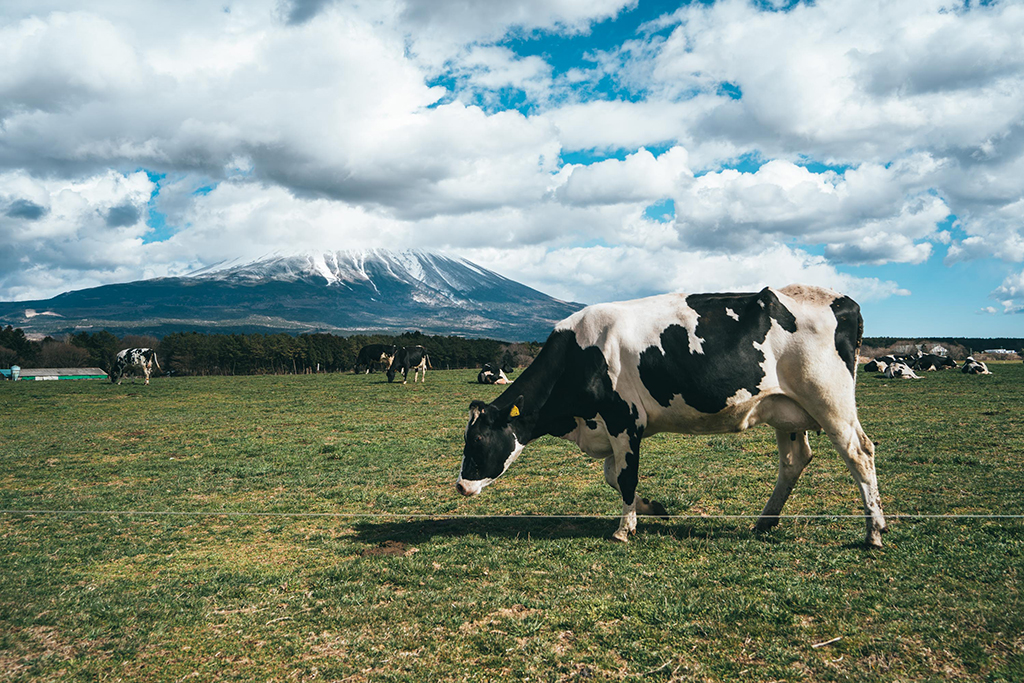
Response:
column 899, row 371
column 133, row 359
column 880, row 363
column 931, row 361
column 374, row 356
column 876, row 365
column 974, row 367
column 613, row 374
column 489, row 375
column 409, row 358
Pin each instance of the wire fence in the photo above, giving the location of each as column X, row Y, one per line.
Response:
column 448, row 516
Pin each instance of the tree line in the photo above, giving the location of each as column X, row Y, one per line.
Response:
column 194, row 353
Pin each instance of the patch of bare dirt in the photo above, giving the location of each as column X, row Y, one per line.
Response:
column 390, row 548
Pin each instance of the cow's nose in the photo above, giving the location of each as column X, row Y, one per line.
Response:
column 461, row 488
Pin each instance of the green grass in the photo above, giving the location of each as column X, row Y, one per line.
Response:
column 389, row 598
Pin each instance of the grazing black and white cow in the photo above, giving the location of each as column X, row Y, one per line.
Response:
column 490, row 375
column 931, row 361
column 375, row 356
column 899, row 371
column 613, row 374
column 409, row 358
column 974, row 367
column 133, row 359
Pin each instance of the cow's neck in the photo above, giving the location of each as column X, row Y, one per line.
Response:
column 544, row 410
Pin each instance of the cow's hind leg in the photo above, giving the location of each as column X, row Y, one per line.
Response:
column 859, row 453
column 145, row 371
column 832, row 406
column 794, row 454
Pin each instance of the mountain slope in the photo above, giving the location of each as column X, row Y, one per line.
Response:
column 342, row 292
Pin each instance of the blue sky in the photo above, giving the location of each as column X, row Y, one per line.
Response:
column 596, row 150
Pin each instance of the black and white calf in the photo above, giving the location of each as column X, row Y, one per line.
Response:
column 133, row 359
column 613, row 374
column 374, row 356
column 490, row 375
column 409, row 358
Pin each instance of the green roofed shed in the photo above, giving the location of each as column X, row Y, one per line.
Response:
column 62, row 373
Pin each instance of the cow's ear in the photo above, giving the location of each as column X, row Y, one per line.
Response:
column 475, row 409
column 516, row 409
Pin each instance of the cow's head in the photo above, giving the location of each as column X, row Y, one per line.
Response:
column 491, row 445
column 391, row 372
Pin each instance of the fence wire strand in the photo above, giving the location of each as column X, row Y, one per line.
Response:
column 449, row 516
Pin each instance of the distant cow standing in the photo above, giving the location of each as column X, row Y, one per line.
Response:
column 409, row 358
column 134, row 359
column 375, row 356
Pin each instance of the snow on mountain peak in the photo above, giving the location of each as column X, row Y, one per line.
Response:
column 436, row 276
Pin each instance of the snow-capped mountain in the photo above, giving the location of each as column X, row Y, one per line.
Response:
column 333, row 291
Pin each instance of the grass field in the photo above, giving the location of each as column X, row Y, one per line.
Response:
column 382, row 597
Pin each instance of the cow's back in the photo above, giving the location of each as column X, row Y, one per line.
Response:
column 701, row 362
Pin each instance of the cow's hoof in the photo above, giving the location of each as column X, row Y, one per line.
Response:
column 765, row 524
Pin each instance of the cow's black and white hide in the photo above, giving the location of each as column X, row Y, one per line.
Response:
column 930, row 362
column 410, row 358
column 880, row 363
column 614, row 374
column 974, row 367
column 876, row 365
column 490, row 375
column 375, row 357
column 128, row 360
column 899, row 371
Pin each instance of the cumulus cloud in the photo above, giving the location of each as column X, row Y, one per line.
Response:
column 598, row 274
column 1011, row 293
column 637, row 178
column 58, row 235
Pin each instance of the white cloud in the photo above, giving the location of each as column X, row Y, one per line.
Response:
column 57, row 232
column 870, row 214
column 639, row 177
column 1011, row 293
column 596, row 274
column 439, row 29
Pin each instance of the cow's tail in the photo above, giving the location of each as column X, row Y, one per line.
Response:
column 156, row 362
column 849, row 331
column 429, row 366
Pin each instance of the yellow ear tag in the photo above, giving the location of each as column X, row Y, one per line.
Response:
column 514, row 412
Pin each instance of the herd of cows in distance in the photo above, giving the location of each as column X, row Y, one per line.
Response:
column 393, row 360
column 613, row 374
column 903, row 367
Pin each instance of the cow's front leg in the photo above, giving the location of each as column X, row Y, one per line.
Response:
column 621, row 471
column 616, row 473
